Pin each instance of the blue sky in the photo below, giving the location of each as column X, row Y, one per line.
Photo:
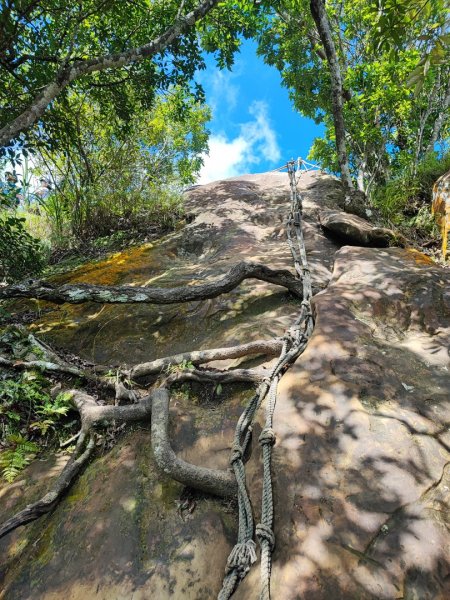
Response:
column 253, row 128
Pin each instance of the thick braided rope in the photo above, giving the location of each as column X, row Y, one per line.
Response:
column 300, row 334
column 243, row 554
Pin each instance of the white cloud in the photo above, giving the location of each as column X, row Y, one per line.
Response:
column 223, row 94
column 256, row 141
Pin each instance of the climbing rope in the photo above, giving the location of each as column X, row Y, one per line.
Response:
column 243, row 555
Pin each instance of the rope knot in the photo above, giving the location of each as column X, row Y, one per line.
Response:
column 265, row 534
column 241, row 558
column 236, row 453
column 267, row 437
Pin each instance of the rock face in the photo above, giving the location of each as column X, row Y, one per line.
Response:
column 358, row 231
column 362, row 460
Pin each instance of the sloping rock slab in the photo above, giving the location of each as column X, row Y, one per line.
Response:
column 229, row 221
column 356, row 230
column 362, row 460
column 361, row 464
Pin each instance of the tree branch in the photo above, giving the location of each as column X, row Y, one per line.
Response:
column 69, row 73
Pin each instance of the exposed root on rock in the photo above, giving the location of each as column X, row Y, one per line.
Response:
column 51, row 367
column 61, row 485
column 77, row 294
column 155, row 407
column 263, row 347
column 216, row 376
column 185, row 367
column 213, row 481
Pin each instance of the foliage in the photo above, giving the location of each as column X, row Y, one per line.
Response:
column 185, row 365
column 29, row 418
column 389, row 129
column 105, row 179
column 396, row 22
column 19, row 454
column 41, row 39
column 20, row 253
column 407, row 199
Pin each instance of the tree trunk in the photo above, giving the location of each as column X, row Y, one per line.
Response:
column 67, row 74
column 439, row 121
column 320, row 17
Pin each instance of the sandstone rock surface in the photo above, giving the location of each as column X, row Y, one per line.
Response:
column 358, row 231
column 362, row 460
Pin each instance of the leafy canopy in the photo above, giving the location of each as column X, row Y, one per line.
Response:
column 40, row 37
column 388, row 126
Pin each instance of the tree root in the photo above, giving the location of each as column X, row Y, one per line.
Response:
column 63, row 368
column 42, row 365
column 156, row 406
column 76, row 294
column 231, row 376
column 92, row 413
column 212, row 481
column 50, row 500
column 267, row 347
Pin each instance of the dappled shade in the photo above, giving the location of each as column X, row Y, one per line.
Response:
column 361, row 463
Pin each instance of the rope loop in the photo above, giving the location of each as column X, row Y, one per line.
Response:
column 265, row 533
column 267, row 437
column 236, row 453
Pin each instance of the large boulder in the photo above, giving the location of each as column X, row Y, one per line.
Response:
column 358, row 231
column 362, row 462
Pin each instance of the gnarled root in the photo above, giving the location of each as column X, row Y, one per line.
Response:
column 76, row 294
column 215, row 376
column 91, row 414
column 56, row 366
column 51, row 499
column 156, row 406
column 265, row 347
column 213, row 481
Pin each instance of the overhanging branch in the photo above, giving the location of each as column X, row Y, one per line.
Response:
column 69, row 73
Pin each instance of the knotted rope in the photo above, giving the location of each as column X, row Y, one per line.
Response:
column 295, row 339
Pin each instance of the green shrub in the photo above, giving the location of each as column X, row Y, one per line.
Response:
column 18, row 455
column 20, row 253
column 404, row 196
column 29, row 419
